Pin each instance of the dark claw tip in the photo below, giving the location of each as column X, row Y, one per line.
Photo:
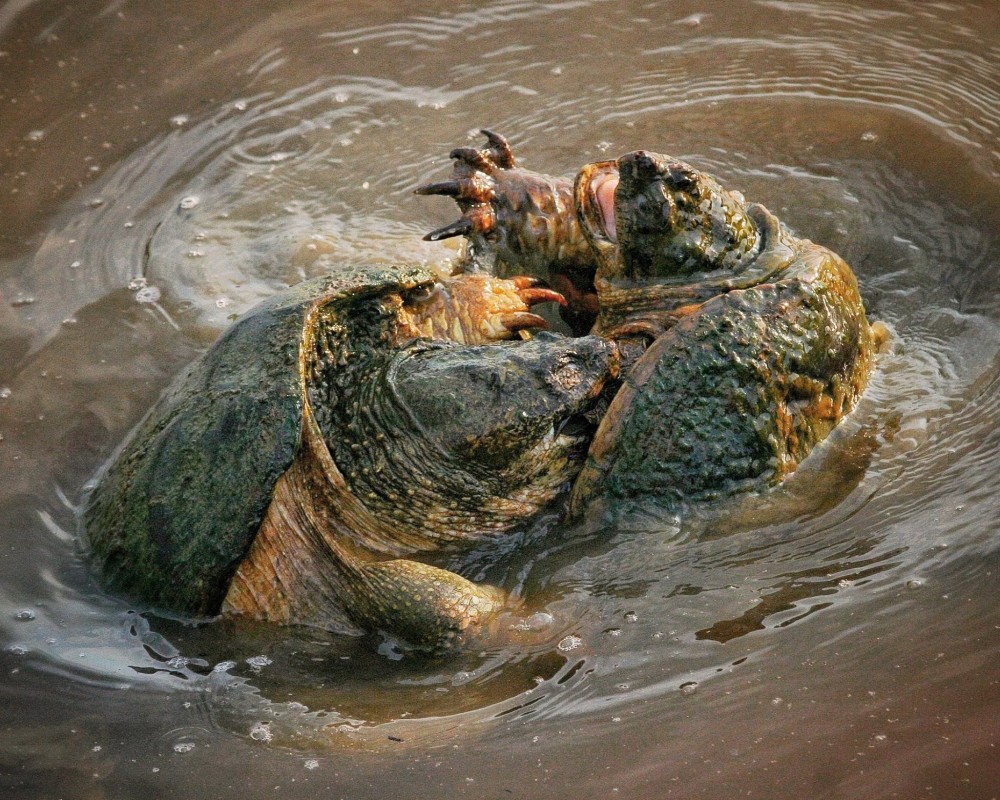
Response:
column 460, row 227
column 447, row 188
column 500, row 147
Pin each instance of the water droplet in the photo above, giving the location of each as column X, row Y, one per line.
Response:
column 914, row 583
column 569, row 643
column 224, row 666
column 240, row 105
column 35, row 136
column 604, row 146
column 777, row 701
column 689, row 687
column 180, row 120
column 189, row 202
column 365, row 185
column 195, row 253
column 614, row 631
column 137, row 283
column 185, row 747
column 96, row 748
column 869, row 136
column 5, row 392
column 311, row 763
column 148, row 294
column 556, row 70
column 76, row 265
column 18, row 650
column 25, row 615
column 261, row 732
column 631, row 616
column 341, row 97
column 222, row 302
column 23, row 300
column 97, row 202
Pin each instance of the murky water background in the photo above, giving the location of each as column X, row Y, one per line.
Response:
column 165, row 166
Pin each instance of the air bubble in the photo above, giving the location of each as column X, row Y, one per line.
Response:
column 148, row 294
column 569, row 643
column 869, row 136
column 180, row 120
column 35, row 136
column 261, row 732
column 5, row 392
column 311, row 763
column 914, row 583
column 189, row 202
column 185, row 747
column 25, row 615
column 689, row 687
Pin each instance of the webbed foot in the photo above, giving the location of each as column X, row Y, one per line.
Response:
column 518, row 221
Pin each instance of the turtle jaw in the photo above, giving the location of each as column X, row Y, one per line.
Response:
column 594, row 194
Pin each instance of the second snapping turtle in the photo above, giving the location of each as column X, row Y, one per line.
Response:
column 743, row 344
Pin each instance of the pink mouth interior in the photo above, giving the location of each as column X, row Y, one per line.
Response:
column 603, row 186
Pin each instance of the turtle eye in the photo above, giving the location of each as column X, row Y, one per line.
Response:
column 422, row 293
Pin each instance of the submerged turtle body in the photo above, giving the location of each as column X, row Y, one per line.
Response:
column 287, row 472
column 743, row 345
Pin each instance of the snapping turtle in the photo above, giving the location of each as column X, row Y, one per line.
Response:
column 742, row 344
column 337, row 428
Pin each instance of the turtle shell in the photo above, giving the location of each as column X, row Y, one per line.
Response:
column 175, row 512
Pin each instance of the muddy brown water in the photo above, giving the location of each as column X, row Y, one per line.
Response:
column 165, row 166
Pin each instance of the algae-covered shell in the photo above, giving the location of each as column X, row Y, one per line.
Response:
column 176, row 511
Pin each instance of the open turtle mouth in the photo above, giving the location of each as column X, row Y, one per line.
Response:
column 595, row 191
column 602, row 187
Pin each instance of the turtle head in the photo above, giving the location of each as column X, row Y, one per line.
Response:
column 506, row 415
column 654, row 218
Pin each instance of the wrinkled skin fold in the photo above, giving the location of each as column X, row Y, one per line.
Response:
column 743, row 345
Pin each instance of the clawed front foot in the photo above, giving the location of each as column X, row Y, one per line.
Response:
column 518, row 221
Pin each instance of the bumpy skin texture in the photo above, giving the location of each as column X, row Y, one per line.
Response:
column 285, row 473
column 743, row 345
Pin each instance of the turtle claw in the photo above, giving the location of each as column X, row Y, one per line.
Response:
column 539, row 294
column 473, row 186
column 499, row 149
column 522, row 321
column 460, row 227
